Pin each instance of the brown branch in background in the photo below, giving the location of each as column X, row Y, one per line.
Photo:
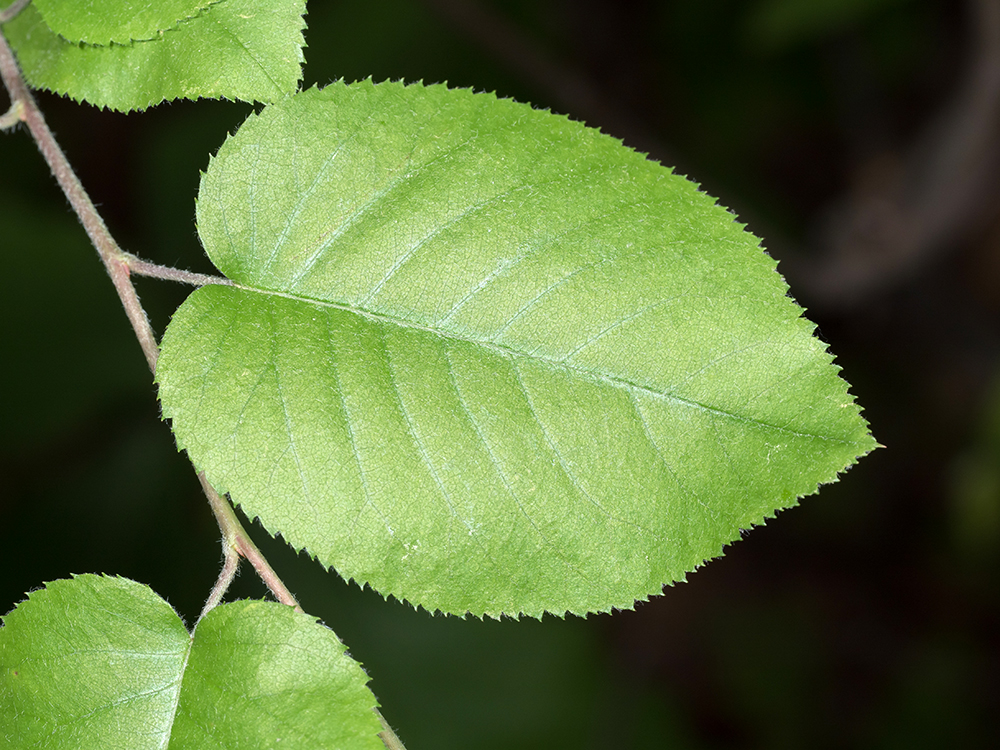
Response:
column 11, row 11
column 918, row 205
column 907, row 210
column 567, row 88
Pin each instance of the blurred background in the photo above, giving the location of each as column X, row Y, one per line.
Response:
column 859, row 138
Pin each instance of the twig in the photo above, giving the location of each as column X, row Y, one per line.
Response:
column 236, row 542
column 118, row 264
column 111, row 255
column 142, row 267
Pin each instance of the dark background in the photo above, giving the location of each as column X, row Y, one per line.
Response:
column 858, row 137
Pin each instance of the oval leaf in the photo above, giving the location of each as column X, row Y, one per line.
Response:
column 237, row 49
column 487, row 359
column 104, row 662
column 118, row 21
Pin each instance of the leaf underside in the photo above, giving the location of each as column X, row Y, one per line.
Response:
column 488, row 360
column 235, row 49
column 104, row 662
column 120, row 21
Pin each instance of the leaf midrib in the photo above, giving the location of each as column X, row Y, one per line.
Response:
column 616, row 382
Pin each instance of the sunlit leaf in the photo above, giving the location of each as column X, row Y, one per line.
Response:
column 236, row 49
column 486, row 359
column 98, row 662
column 119, row 21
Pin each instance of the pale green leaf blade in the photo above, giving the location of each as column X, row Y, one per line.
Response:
column 90, row 662
column 489, row 360
column 236, row 49
column 120, row 21
column 262, row 675
column 104, row 662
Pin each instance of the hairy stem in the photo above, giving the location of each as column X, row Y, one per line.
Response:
column 119, row 264
column 230, row 564
column 142, row 267
column 388, row 737
column 235, row 537
column 111, row 255
column 236, row 542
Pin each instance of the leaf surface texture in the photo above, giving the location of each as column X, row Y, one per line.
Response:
column 120, row 21
column 104, row 662
column 236, row 49
column 487, row 359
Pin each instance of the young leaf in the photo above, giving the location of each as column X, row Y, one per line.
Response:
column 487, row 359
column 120, row 21
column 104, row 662
column 236, row 49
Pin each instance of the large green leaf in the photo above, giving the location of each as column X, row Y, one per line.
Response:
column 119, row 21
column 236, row 49
column 98, row 662
column 486, row 359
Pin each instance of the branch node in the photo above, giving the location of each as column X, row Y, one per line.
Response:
column 237, row 543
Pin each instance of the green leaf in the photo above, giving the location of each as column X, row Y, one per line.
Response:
column 104, row 662
column 487, row 359
column 236, row 49
column 120, row 21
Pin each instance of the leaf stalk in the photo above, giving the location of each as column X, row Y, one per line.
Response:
column 12, row 116
column 230, row 564
column 142, row 267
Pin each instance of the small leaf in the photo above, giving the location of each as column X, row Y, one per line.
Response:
column 120, row 21
column 487, row 359
column 236, row 49
column 104, row 662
